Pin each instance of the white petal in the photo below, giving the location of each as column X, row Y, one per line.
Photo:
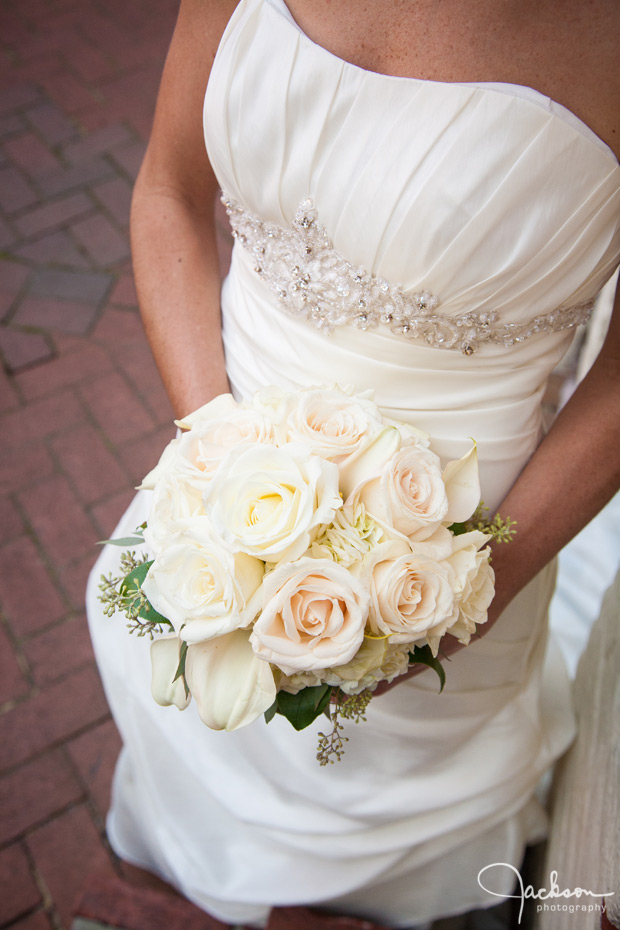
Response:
column 474, row 538
column 230, row 685
column 462, row 487
column 218, row 407
column 166, row 461
column 164, row 663
column 369, row 459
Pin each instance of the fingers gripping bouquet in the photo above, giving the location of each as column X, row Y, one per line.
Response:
column 301, row 549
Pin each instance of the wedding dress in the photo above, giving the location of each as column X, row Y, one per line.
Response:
column 358, row 200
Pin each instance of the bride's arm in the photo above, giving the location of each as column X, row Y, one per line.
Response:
column 571, row 476
column 172, row 223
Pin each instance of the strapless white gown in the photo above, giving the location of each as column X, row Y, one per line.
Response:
column 496, row 200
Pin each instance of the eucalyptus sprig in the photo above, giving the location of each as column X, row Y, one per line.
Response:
column 343, row 707
column 123, row 594
column 501, row 529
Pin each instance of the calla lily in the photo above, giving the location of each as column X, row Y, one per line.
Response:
column 369, row 459
column 230, row 685
column 164, row 663
column 462, row 487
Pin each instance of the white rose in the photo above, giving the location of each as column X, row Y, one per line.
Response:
column 377, row 660
column 313, row 616
column 167, row 462
column 230, row 685
column 410, row 597
column 409, row 494
column 474, row 583
column 269, row 501
column 274, row 402
column 203, row 589
column 175, row 503
column 333, row 423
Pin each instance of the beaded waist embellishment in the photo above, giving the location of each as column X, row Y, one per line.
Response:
column 313, row 282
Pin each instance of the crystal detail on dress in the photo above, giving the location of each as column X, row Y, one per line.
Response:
column 313, row 282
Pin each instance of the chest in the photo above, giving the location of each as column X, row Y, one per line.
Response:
column 566, row 50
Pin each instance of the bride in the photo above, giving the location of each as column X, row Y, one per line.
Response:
column 464, row 150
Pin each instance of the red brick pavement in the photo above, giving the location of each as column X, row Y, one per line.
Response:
column 83, row 415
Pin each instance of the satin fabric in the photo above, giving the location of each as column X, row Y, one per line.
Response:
column 491, row 197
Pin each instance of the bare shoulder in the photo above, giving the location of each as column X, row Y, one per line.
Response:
column 589, row 76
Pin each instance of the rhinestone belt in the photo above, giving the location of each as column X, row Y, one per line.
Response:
column 315, row 283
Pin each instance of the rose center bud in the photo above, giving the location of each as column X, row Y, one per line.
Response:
column 415, row 487
column 410, row 595
column 318, row 614
column 205, row 583
column 264, row 509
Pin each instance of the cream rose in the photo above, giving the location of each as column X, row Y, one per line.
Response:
column 313, row 616
column 409, row 494
column 208, row 434
column 474, row 583
column 269, row 502
column 203, row 589
column 410, row 596
column 215, row 429
column 332, row 422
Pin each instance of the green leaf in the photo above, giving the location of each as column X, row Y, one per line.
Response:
column 457, row 529
column 271, row 711
column 302, row 708
column 148, row 612
column 129, row 586
column 422, row 655
column 182, row 657
column 135, row 578
column 122, row 541
column 180, row 672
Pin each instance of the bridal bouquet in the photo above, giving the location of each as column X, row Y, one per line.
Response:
column 302, row 549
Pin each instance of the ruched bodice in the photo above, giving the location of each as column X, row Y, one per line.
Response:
column 491, row 197
column 500, row 204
